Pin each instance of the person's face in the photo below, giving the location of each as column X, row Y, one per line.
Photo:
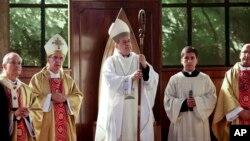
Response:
column 13, row 67
column 55, row 61
column 245, row 56
column 124, row 46
column 189, row 61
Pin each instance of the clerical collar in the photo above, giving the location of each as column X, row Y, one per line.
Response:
column 13, row 82
column 125, row 56
column 243, row 68
column 54, row 75
column 190, row 74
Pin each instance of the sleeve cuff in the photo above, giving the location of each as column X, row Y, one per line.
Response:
column 69, row 109
column 46, row 105
column 234, row 114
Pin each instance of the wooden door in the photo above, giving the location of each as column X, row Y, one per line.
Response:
column 89, row 24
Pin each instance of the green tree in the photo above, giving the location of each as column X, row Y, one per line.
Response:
column 25, row 29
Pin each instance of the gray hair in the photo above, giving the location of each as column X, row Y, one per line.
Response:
column 8, row 57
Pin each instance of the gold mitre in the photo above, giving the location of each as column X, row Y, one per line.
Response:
column 56, row 43
column 118, row 29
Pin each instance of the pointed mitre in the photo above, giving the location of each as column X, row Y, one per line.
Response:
column 118, row 29
column 56, row 43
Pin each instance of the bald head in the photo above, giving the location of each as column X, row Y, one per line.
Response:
column 245, row 55
column 245, row 47
column 12, row 65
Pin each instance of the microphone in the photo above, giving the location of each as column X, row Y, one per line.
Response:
column 190, row 96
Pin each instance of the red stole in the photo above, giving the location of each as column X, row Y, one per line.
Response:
column 21, row 128
column 244, row 92
column 60, row 113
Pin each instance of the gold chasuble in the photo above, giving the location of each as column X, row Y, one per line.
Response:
column 59, row 120
column 21, row 129
column 56, row 85
column 234, row 93
column 19, row 95
column 244, row 92
column 59, row 116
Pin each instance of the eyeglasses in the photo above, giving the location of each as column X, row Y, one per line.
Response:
column 57, row 58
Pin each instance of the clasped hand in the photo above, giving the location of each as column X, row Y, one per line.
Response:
column 58, row 97
column 22, row 112
column 245, row 114
column 191, row 102
column 137, row 75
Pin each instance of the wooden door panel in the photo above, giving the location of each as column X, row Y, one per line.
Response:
column 89, row 24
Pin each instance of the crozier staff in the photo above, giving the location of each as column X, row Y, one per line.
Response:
column 118, row 107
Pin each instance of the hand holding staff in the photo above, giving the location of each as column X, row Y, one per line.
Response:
column 142, row 25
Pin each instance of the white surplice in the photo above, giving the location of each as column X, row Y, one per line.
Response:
column 189, row 125
column 117, row 117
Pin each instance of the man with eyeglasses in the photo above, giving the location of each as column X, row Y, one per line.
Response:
column 58, row 94
column 233, row 106
column 23, row 108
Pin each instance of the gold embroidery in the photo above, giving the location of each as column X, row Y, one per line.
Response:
column 57, row 42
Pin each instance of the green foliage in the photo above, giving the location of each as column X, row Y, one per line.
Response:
column 39, row 1
column 174, row 28
column 24, row 38
column 239, row 23
column 208, row 33
column 195, row 1
column 174, row 1
column 25, row 1
column 25, row 31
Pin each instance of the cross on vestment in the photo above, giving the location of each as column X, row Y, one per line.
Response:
column 57, row 42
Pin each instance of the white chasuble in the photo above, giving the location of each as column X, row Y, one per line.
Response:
column 118, row 102
column 123, row 67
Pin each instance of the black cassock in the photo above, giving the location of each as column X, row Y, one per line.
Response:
column 4, row 115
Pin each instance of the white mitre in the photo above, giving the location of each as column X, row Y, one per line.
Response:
column 55, row 44
column 118, row 29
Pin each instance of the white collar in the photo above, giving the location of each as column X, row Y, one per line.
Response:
column 9, row 83
column 243, row 68
column 189, row 72
column 12, row 82
column 54, row 75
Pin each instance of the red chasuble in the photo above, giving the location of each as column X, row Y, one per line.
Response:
column 21, row 128
column 60, row 113
column 244, row 92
